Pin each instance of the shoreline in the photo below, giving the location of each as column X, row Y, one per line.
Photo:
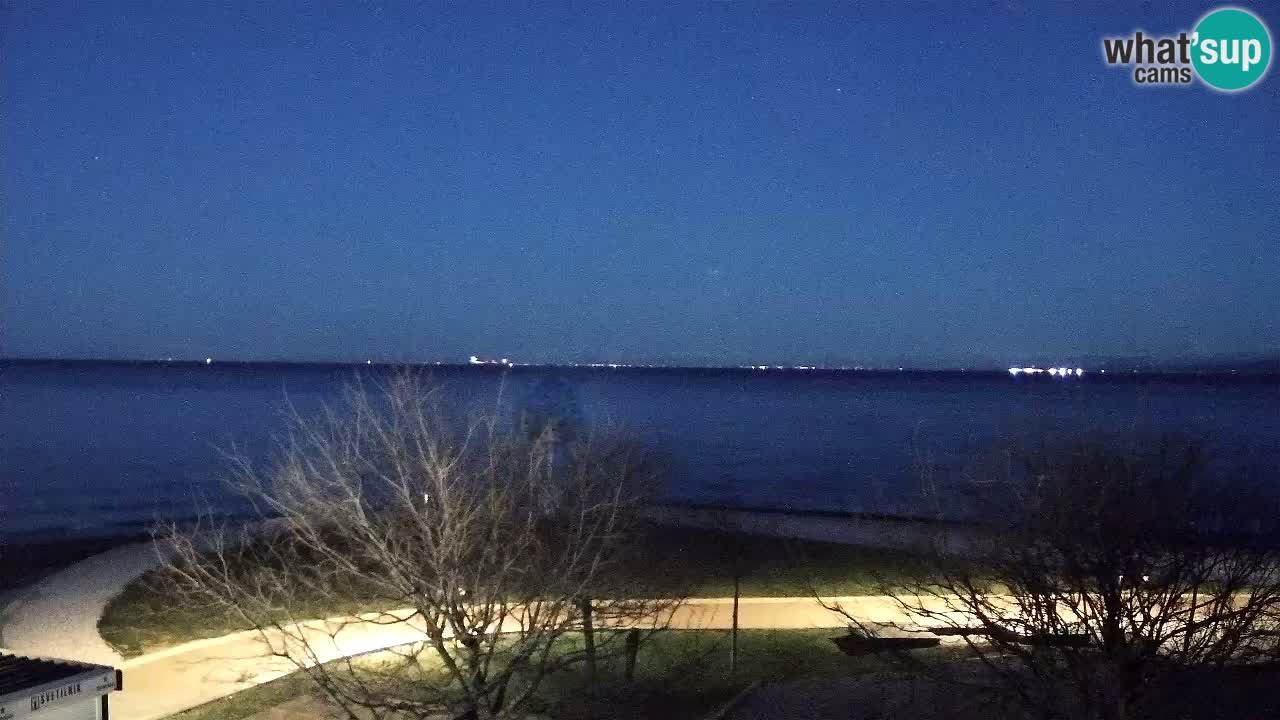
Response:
column 25, row 563
column 26, row 558
column 913, row 534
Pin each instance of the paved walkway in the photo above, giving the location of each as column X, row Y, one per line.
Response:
column 175, row 679
column 58, row 616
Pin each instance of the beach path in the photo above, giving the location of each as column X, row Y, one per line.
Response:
column 168, row 681
column 58, row 616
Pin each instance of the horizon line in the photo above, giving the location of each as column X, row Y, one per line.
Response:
column 1144, row 365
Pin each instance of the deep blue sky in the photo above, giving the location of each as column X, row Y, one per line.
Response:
column 935, row 184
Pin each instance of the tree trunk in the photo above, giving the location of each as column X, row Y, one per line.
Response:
column 589, row 641
column 733, row 646
column 633, row 649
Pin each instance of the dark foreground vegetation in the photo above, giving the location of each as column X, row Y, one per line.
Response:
column 1131, row 580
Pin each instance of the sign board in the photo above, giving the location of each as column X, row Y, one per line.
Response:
column 46, row 700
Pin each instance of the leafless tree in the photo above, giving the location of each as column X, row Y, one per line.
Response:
column 476, row 549
column 1124, row 579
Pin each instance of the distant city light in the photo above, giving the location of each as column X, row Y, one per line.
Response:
column 1054, row 371
column 208, row 361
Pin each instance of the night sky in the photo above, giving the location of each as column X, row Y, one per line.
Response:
column 710, row 183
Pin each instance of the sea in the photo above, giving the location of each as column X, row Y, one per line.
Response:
column 104, row 448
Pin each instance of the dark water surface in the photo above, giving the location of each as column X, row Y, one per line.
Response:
column 88, row 448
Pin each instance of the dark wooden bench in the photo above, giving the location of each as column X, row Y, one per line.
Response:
column 1073, row 640
column 855, row 644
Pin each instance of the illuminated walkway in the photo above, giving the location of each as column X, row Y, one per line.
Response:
column 181, row 677
column 58, row 617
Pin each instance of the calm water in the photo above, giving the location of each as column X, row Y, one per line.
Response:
column 88, row 449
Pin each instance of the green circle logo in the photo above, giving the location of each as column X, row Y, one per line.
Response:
column 1232, row 49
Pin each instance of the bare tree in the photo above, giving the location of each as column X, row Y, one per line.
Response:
column 734, row 558
column 1123, row 578
column 475, row 548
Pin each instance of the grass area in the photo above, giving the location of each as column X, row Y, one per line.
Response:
column 248, row 702
column 693, row 562
column 701, row 563
column 685, row 674
column 142, row 618
column 680, row 675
